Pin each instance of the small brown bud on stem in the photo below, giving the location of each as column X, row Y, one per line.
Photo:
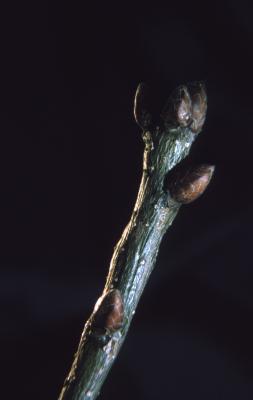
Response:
column 178, row 108
column 109, row 312
column 188, row 186
column 187, row 107
column 199, row 106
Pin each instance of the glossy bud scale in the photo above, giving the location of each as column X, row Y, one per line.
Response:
column 187, row 106
column 109, row 312
column 188, row 186
column 141, row 107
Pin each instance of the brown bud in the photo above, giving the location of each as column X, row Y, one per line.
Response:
column 199, row 106
column 187, row 107
column 178, row 108
column 141, row 113
column 109, row 312
column 188, row 186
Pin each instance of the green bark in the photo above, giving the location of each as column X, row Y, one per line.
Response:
column 135, row 254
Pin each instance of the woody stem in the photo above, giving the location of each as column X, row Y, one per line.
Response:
column 133, row 259
column 135, row 254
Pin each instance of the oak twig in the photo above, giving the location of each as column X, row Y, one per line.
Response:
column 160, row 196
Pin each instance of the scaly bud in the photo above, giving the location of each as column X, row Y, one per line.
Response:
column 199, row 106
column 187, row 186
column 178, row 108
column 141, row 113
column 109, row 312
column 187, row 107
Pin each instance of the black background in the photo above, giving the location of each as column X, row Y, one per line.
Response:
column 71, row 155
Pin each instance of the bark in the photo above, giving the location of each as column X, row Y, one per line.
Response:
column 159, row 198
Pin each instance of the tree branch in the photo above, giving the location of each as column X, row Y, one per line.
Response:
column 159, row 199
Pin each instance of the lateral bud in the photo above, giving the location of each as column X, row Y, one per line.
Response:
column 187, row 186
column 109, row 312
column 142, row 115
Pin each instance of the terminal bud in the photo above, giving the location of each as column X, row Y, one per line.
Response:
column 199, row 106
column 178, row 108
column 187, row 107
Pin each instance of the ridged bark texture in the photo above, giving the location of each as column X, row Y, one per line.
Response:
column 166, row 144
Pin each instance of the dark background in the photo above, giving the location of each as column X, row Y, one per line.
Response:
column 71, row 156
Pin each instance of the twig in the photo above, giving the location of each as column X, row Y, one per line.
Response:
column 158, row 201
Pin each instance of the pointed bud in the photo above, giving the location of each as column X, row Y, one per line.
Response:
column 178, row 108
column 199, row 105
column 188, row 186
column 109, row 312
column 187, row 107
column 141, row 110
